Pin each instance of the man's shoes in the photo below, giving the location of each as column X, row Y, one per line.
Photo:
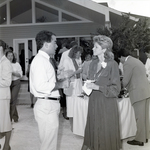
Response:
column 134, row 142
column 146, row 140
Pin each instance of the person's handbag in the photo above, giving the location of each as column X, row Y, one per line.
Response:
column 69, row 91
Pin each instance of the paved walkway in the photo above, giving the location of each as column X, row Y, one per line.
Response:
column 25, row 134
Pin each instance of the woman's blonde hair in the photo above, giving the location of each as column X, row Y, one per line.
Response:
column 109, row 55
column 103, row 41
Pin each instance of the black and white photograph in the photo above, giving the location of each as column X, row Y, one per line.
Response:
column 74, row 74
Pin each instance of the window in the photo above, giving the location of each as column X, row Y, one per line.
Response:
column 20, row 11
column 3, row 15
column 66, row 17
column 1, row 1
column 45, row 14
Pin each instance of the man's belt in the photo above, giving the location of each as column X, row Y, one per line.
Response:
column 50, row 98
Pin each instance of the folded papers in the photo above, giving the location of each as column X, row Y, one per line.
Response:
column 84, row 87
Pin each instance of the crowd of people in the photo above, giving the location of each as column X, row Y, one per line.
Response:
column 54, row 84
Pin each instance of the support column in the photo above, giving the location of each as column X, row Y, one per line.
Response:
column 107, row 20
column 108, row 24
column 8, row 12
column 33, row 12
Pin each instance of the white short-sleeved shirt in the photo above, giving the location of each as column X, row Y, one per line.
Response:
column 42, row 76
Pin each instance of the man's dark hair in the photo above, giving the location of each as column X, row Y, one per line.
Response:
column 3, row 44
column 123, row 52
column 147, row 49
column 42, row 37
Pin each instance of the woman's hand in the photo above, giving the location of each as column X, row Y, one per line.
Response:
column 92, row 86
column 65, row 83
column 78, row 71
column 65, row 74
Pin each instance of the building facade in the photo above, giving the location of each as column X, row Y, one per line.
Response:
column 21, row 20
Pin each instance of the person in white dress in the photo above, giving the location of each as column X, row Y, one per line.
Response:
column 66, row 46
column 5, row 82
column 73, row 64
column 65, row 55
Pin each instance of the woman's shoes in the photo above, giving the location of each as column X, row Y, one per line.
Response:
column 9, row 148
column 65, row 116
column 16, row 120
column 64, row 113
column 32, row 105
column 84, row 147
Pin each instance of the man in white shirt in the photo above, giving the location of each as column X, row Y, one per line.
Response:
column 44, row 86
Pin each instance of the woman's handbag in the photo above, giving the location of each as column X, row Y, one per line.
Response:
column 69, row 91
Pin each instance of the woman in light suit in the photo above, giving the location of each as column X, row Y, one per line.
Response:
column 5, row 82
column 73, row 64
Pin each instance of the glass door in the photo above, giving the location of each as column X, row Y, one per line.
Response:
column 24, row 49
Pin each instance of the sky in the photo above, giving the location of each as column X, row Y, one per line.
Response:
column 139, row 7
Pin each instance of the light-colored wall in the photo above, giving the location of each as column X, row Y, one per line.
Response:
column 61, row 30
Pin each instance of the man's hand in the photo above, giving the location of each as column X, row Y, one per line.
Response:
column 61, row 84
column 65, row 74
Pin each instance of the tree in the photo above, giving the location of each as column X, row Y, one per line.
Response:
column 129, row 35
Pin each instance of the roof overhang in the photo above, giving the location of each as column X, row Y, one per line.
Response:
column 100, row 8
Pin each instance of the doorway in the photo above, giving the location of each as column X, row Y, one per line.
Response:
column 24, row 49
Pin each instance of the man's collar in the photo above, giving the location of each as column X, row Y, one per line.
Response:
column 44, row 54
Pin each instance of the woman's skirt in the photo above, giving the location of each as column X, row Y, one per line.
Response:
column 5, row 123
